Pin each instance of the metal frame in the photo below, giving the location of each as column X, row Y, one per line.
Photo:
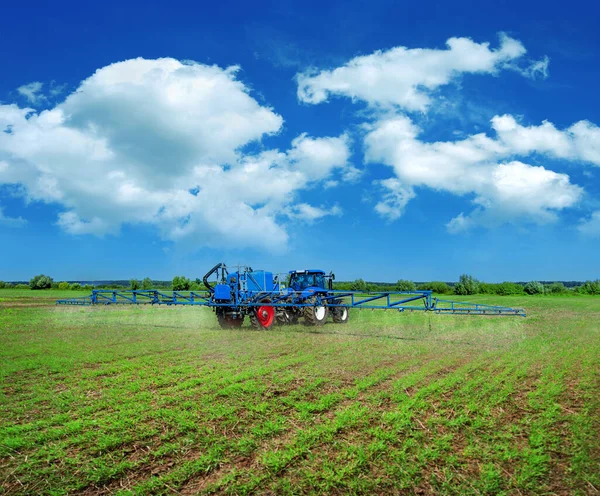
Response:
column 245, row 300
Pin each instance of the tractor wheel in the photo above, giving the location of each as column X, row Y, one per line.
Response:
column 341, row 315
column 228, row 322
column 286, row 317
column 263, row 317
column 315, row 316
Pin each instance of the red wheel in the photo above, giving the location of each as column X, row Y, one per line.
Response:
column 264, row 317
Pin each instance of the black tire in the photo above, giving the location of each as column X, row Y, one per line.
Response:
column 315, row 315
column 286, row 317
column 340, row 315
column 228, row 322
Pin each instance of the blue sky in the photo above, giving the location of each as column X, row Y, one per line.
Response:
column 375, row 139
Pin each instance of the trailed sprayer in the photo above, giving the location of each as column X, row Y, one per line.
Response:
column 268, row 299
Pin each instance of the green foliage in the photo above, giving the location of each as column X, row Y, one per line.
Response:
column 501, row 289
column 509, row 289
column 467, row 285
column 486, row 288
column 41, row 282
column 88, row 287
column 147, row 283
column 76, row 286
column 359, row 285
column 589, row 287
column 194, row 286
column 21, row 286
column 134, row 284
column 534, row 287
column 438, row 287
column 2, row 284
column 555, row 288
column 64, row 285
column 405, row 285
column 181, row 283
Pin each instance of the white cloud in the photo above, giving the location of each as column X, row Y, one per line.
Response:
column 403, row 77
column 11, row 221
column 160, row 142
column 317, row 158
column 537, row 69
column 310, row 213
column 590, row 227
column 32, row 92
column 394, row 198
column 581, row 141
column 585, row 138
column 503, row 191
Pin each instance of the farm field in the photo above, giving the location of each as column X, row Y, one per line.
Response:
column 160, row 400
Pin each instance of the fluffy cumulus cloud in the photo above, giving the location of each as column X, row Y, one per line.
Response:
column 161, row 142
column 490, row 170
column 503, row 189
column 405, row 77
column 581, row 141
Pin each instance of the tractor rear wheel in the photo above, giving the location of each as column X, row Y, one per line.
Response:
column 340, row 315
column 263, row 317
column 229, row 322
column 315, row 315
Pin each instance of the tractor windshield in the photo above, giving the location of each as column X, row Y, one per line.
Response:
column 299, row 282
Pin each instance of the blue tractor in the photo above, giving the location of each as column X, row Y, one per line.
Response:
column 265, row 299
column 313, row 289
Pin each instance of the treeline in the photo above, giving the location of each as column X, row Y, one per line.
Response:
column 179, row 283
column 468, row 285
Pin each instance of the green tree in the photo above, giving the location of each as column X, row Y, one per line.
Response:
column 589, row 287
column 555, row 288
column 64, row 285
column 41, row 282
column 75, row 286
column 2, row 284
column 147, row 283
column 134, row 284
column 534, row 287
column 438, row 287
column 359, row 285
column 509, row 288
column 405, row 285
column 181, row 283
column 467, row 285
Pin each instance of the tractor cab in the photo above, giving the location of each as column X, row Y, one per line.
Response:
column 306, row 280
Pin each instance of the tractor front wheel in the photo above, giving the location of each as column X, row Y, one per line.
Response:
column 315, row 315
column 340, row 315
